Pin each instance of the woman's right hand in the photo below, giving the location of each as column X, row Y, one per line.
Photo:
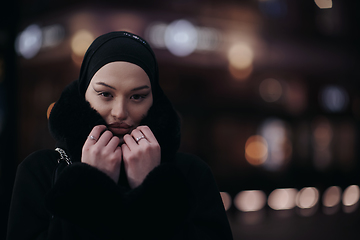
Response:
column 103, row 152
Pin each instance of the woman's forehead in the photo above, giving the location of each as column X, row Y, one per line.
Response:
column 119, row 73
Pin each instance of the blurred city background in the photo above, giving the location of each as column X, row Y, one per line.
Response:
column 268, row 93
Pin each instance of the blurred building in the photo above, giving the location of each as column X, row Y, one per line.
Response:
column 268, row 93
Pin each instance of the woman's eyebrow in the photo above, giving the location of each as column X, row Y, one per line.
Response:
column 106, row 85
column 142, row 87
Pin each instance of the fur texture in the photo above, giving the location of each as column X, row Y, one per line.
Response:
column 72, row 119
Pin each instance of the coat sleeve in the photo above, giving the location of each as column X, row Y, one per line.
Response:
column 207, row 218
column 89, row 199
column 28, row 216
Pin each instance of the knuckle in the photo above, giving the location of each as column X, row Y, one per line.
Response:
column 127, row 136
column 147, row 147
column 95, row 150
column 113, row 159
column 143, row 127
column 116, row 139
column 132, row 157
column 107, row 132
column 98, row 127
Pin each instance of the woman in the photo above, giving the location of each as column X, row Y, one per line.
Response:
column 116, row 173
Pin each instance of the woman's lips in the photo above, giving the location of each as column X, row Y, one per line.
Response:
column 119, row 128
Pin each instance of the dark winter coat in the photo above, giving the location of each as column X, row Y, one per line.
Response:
column 178, row 199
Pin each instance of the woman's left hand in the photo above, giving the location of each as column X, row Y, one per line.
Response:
column 141, row 154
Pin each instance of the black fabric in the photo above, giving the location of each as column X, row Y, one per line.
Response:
column 177, row 200
column 119, row 46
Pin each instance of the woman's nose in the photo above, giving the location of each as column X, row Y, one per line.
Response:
column 119, row 110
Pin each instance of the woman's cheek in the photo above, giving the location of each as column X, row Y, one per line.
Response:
column 103, row 112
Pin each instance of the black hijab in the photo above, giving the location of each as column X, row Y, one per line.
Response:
column 72, row 118
column 119, row 46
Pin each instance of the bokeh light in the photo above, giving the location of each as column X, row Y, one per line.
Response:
column 29, row 41
column 80, row 42
column 156, row 34
column 307, row 198
column 351, row 195
column 226, row 199
column 181, row 38
column 334, row 98
column 208, row 39
column 282, row 199
column 270, row 90
column 240, row 56
column 279, row 148
column 53, row 35
column 332, row 196
column 249, row 201
column 240, row 74
column 324, row 4
column 256, row 150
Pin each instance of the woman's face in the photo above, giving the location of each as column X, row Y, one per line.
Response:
column 121, row 93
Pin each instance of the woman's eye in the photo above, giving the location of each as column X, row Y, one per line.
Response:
column 104, row 94
column 137, row 96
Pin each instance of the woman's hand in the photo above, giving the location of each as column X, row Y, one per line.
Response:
column 102, row 151
column 141, row 154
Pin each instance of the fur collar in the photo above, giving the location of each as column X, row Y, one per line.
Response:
column 72, row 119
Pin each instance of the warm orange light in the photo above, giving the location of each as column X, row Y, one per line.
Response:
column 256, row 150
column 240, row 56
column 49, row 110
column 240, row 74
column 81, row 41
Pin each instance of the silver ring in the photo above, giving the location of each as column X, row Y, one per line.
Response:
column 92, row 137
column 139, row 138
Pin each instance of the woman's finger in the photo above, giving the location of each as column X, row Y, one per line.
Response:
column 138, row 136
column 113, row 143
column 130, row 141
column 104, row 138
column 145, row 130
column 94, row 135
column 125, row 148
